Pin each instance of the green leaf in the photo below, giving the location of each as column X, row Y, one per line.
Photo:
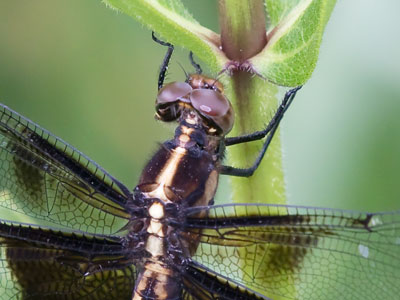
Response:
column 291, row 53
column 277, row 10
column 294, row 36
column 171, row 20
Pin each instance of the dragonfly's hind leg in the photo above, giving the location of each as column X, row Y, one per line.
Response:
column 269, row 131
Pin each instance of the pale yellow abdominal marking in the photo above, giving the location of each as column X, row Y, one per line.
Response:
column 190, row 121
column 156, row 229
column 156, row 210
column 155, row 243
column 183, row 138
column 167, row 174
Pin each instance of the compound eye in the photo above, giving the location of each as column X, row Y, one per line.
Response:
column 173, row 91
column 209, row 102
column 215, row 106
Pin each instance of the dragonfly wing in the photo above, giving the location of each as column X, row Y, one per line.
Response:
column 40, row 263
column 290, row 252
column 203, row 284
column 46, row 179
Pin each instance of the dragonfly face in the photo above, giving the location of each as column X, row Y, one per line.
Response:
column 91, row 237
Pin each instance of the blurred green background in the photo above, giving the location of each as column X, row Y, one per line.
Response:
column 89, row 75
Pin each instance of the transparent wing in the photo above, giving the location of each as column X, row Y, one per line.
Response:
column 290, row 252
column 43, row 177
column 201, row 284
column 40, row 263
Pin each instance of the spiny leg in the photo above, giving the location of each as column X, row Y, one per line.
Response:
column 269, row 130
column 167, row 57
column 258, row 135
column 195, row 64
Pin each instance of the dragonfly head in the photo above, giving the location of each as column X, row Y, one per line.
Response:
column 200, row 94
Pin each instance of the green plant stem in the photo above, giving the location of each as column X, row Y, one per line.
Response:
column 243, row 34
column 243, row 30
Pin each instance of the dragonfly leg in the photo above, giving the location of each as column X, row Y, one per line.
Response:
column 258, row 135
column 269, row 131
column 165, row 62
column 195, row 64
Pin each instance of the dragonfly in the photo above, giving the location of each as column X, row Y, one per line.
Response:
column 91, row 237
